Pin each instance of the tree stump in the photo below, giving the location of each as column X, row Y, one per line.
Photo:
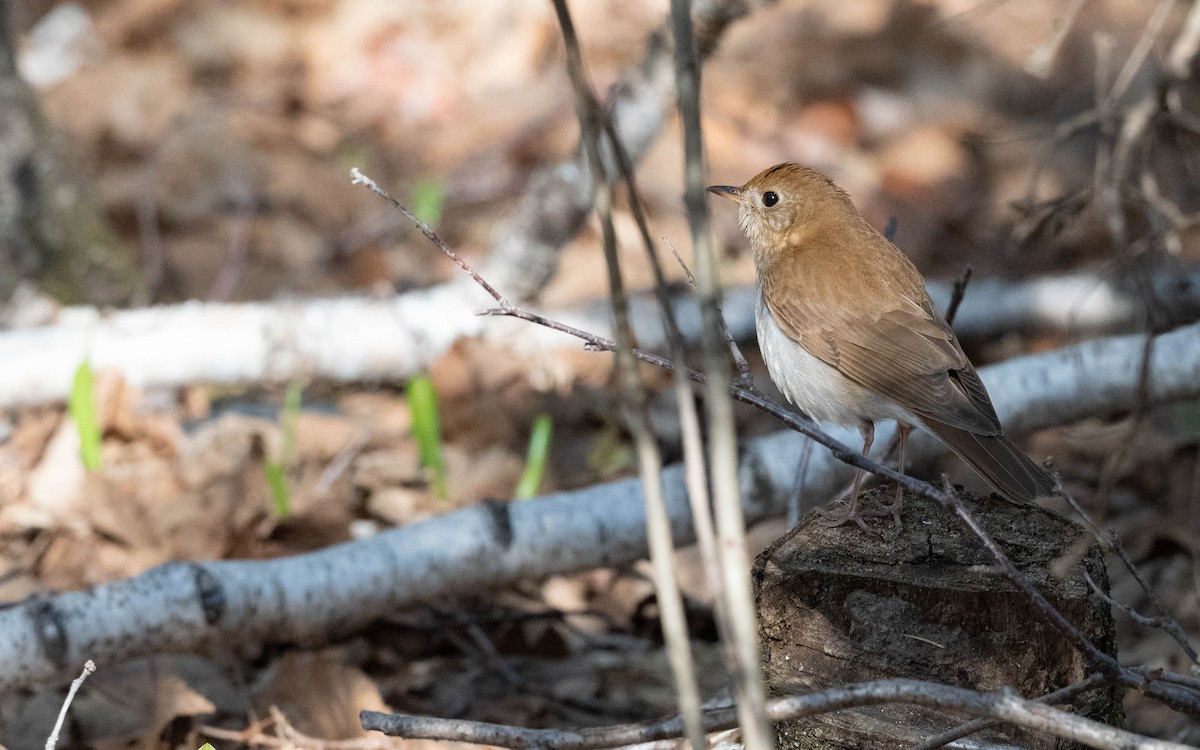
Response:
column 839, row 605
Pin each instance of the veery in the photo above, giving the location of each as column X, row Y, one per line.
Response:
column 850, row 336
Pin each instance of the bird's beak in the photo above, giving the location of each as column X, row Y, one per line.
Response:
column 727, row 191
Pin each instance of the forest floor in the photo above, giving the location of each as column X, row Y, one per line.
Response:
column 219, row 138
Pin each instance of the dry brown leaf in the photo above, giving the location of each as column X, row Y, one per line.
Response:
column 321, row 437
column 400, row 505
column 319, row 694
column 395, row 466
column 135, row 498
column 126, row 101
column 385, row 416
column 33, row 431
column 54, row 492
column 922, row 163
column 115, row 402
column 489, row 473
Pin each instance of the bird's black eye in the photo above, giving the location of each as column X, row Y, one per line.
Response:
column 770, row 198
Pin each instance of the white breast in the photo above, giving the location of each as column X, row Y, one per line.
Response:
column 818, row 389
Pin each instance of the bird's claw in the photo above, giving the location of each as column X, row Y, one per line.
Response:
column 834, row 516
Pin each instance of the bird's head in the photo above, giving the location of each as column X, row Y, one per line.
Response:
column 780, row 207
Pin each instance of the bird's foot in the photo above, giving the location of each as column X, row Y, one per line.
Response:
column 837, row 514
column 892, row 509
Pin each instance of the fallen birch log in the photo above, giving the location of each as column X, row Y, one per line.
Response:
column 361, row 339
column 188, row 607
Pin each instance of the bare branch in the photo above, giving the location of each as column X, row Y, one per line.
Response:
column 695, row 469
column 1142, row 48
column 744, row 379
column 1183, row 51
column 1006, row 707
column 956, row 296
column 358, row 178
column 1063, row 695
column 738, row 597
column 658, row 524
column 1042, row 59
column 88, row 667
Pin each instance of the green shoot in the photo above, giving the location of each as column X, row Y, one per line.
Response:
column 82, row 408
column 535, row 461
column 422, row 404
column 276, row 469
column 428, row 200
column 277, row 480
column 207, row 746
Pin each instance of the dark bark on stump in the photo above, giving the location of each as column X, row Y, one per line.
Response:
column 838, row 605
column 50, row 231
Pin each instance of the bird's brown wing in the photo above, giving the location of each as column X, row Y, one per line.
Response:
column 895, row 344
column 906, row 351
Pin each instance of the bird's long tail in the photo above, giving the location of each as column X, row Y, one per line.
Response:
column 1013, row 474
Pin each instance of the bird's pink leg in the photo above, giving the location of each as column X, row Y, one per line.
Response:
column 851, row 513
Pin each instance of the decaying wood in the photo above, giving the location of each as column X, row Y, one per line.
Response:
column 838, row 605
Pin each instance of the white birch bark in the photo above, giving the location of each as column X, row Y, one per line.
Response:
column 356, row 339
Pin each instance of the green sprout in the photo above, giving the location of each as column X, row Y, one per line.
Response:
column 276, row 469
column 82, row 408
column 423, row 405
column 535, row 462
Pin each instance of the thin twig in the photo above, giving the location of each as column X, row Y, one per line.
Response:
column 1006, row 707
column 235, row 254
column 744, row 378
column 524, row 252
column 1062, row 695
column 658, row 523
column 1110, row 541
column 358, row 178
column 1165, row 623
column 695, row 469
column 287, row 736
column 661, row 291
column 722, row 434
column 1132, row 65
column 956, row 296
column 1183, row 51
column 1040, row 62
column 795, row 502
column 88, row 667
